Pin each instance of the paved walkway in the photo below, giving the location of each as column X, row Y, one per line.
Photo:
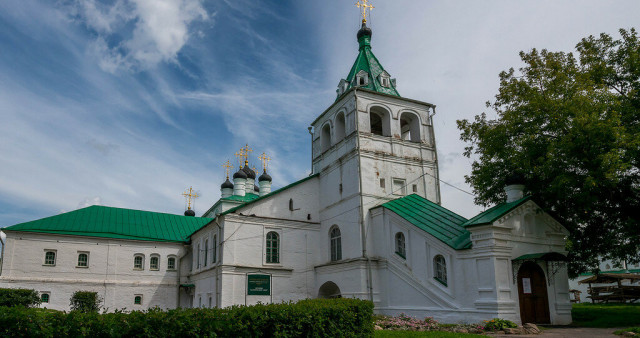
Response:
column 568, row 332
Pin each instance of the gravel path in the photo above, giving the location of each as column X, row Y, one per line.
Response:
column 568, row 332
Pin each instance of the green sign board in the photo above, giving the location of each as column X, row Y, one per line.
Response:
column 258, row 285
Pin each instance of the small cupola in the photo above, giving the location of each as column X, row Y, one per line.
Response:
column 265, row 183
column 514, row 187
column 239, row 182
column 240, row 174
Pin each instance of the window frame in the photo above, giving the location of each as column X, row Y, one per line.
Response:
column 42, row 296
column 214, row 250
column 206, row 252
column 400, row 241
column 155, row 257
column 335, row 244
column 137, row 299
column 440, row 269
column 269, row 248
column 135, row 265
column 47, row 261
column 403, row 189
column 86, row 263
column 169, row 266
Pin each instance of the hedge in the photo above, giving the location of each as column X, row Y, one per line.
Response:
column 19, row 297
column 307, row 318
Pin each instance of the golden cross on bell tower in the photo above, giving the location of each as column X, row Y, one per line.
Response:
column 227, row 167
column 364, row 5
column 265, row 160
column 190, row 194
column 246, row 150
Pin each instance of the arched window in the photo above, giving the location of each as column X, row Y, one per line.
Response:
column 273, row 250
column 340, row 127
column 335, row 244
column 291, row 204
column 50, row 258
column 400, row 245
column 214, row 250
column 83, row 260
column 325, row 137
column 198, row 257
column 410, row 127
column 171, row 263
column 380, row 121
column 440, row 269
column 44, row 298
column 154, row 262
column 206, row 252
column 138, row 262
column 137, row 300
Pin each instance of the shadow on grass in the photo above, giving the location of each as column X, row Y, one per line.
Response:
column 605, row 315
column 439, row 334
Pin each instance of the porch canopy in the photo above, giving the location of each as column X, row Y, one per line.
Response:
column 543, row 256
column 553, row 260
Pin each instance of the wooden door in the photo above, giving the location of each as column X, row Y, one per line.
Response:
column 532, row 291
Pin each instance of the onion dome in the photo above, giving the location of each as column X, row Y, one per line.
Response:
column 227, row 184
column 240, row 174
column 264, row 177
column 256, row 189
column 250, row 173
column 189, row 213
column 364, row 31
column 515, row 178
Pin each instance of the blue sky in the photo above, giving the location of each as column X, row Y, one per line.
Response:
column 126, row 103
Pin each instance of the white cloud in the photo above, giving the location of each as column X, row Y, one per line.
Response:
column 89, row 201
column 154, row 31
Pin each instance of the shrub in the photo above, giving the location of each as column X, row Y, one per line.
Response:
column 85, row 301
column 307, row 318
column 404, row 322
column 497, row 324
column 19, row 297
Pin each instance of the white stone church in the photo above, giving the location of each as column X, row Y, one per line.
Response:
column 367, row 223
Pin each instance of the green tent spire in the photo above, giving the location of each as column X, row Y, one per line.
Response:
column 367, row 72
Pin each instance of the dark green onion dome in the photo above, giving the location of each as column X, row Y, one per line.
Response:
column 240, row 174
column 515, row 178
column 250, row 173
column 264, row 177
column 190, row 213
column 256, row 189
column 364, row 31
column 227, row 185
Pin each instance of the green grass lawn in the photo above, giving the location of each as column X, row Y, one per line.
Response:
column 606, row 315
column 433, row 334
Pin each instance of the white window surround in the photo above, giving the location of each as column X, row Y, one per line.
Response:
column 400, row 244
column 362, row 78
column 45, row 297
column 385, row 79
column 440, row 269
column 83, row 259
column 138, row 262
column 50, row 256
column 171, row 263
column 335, row 243
column 137, row 299
column 154, row 262
column 399, row 186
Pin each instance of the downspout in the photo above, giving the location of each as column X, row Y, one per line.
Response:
column 362, row 226
column 1, row 252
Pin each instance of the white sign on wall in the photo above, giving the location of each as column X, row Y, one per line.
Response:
column 526, row 285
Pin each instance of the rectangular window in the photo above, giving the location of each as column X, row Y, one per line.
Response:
column 171, row 263
column 198, row 257
column 382, row 183
column 214, row 250
column 206, row 252
column 44, row 298
column 154, row 263
column 137, row 300
column 50, row 257
column 83, row 260
column 138, row 262
column 399, row 187
column 415, row 188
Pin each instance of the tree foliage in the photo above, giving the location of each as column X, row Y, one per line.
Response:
column 571, row 126
column 85, row 301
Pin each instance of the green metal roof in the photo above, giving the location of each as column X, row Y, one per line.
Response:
column 545, row 256
column 245, row 198
column 368, row 62
column 101, row 221
column 490, row 215
column 436, row 220
column 270, row 194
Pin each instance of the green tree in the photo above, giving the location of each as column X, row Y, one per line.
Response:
column 571, row 127
column 85, row 301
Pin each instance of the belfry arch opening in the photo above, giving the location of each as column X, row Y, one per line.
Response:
column 325, row 137
column 380, row 121
column 329, row 290
column 339, row 130
column 410, row 127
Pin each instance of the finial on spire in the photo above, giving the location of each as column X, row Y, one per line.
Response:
column 240, row 156
column 364, row 5
column 227, row 167
column 265, row 161
column 189, row 195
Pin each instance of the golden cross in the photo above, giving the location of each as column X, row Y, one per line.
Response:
column 364, row 5
column 227, row 167
column 265, row 160
column 240, row 155
column 246, row 152
column 190, row 194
